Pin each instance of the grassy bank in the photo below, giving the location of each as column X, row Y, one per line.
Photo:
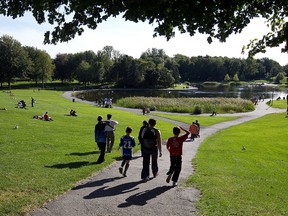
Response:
column 189, row 105
column 233, row 181
column 40, row 159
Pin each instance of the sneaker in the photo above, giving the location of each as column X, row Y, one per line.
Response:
column 146, row 179
column 120, row 170
column 168, row 178
column 174, row 183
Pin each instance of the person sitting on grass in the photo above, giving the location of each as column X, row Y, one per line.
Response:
column 46, row 117
column 73, row 112
column 127, row 142
column 37, row 117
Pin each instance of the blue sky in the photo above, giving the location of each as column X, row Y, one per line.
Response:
column 135, row 38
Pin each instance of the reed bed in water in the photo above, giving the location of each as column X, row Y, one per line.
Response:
column 189, row 105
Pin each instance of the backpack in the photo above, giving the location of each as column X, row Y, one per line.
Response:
column 150, row 138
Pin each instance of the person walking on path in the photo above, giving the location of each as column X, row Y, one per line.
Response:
column 193, row 130
column 127, row 142
column 152, row 143
column 100, row 139
column 110, row 132
column 175, row 146
column 144, row 125
column 198, row 125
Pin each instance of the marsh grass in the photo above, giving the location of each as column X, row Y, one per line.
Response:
column 189, row 105
column 233, row 181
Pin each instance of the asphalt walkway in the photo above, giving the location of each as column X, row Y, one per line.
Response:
column 107, row 193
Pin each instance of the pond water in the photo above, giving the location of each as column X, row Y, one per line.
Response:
column 245, row 92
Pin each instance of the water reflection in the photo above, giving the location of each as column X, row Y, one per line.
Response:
column 245, row 92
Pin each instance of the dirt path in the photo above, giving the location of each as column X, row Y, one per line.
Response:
column 108, row 193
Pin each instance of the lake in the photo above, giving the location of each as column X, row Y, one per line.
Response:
column 245, row 92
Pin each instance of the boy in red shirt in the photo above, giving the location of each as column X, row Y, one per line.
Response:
column 174, row 146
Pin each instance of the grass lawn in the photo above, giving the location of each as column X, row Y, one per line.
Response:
column 203, row 120
column 41, row 159
column 233, row 181
column 281, row 104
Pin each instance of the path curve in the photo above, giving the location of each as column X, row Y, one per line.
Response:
column 107, row 193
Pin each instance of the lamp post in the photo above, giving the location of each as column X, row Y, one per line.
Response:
column 287, row 106
column 272, row 96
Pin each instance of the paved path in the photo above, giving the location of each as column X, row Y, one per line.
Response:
column 107, row 193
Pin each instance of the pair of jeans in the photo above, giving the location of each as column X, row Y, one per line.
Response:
column 102, row 148
column 148, row 154
column 175, row 167
column 110, row 140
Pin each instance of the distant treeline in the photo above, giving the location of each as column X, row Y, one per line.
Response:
column 154, row 69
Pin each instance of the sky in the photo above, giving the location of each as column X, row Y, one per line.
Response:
column 135, row 38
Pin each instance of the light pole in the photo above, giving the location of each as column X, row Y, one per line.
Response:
column 272, row 96
column 287, row 106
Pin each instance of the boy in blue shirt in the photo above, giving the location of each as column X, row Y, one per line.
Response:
column 127, row 142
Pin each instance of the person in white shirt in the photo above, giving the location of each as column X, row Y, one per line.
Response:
column 110, row 132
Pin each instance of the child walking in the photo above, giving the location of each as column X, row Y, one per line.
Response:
column 127, row 142
column 175, row 146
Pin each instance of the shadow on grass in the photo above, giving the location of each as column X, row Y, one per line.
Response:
column 83, row 153
column 72, row 165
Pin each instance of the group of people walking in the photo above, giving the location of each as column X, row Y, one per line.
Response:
column 151, row 147
column 105, row 135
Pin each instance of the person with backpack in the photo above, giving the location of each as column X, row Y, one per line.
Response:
column 100, row 139
column 152, row 143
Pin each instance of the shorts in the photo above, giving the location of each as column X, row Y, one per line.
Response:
column 126, row 157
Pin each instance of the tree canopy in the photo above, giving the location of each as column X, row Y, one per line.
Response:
column 216, row 18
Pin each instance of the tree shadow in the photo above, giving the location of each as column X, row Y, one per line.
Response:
column 141, row 198
column 83, row 153
column 96, row 183
column 72, row 165
column 113, row 191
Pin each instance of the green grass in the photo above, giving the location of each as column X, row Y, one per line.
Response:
column 233, row 181
column 40, row 159
column 281, row 104
column 203, row 120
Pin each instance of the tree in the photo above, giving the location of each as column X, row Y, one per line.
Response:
column 63, row 67
column 14, row 61
column 218, row 19
column 42, row 68
column 235, row 78
column 84, row 72
column 280, row 76
column 227, row 78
